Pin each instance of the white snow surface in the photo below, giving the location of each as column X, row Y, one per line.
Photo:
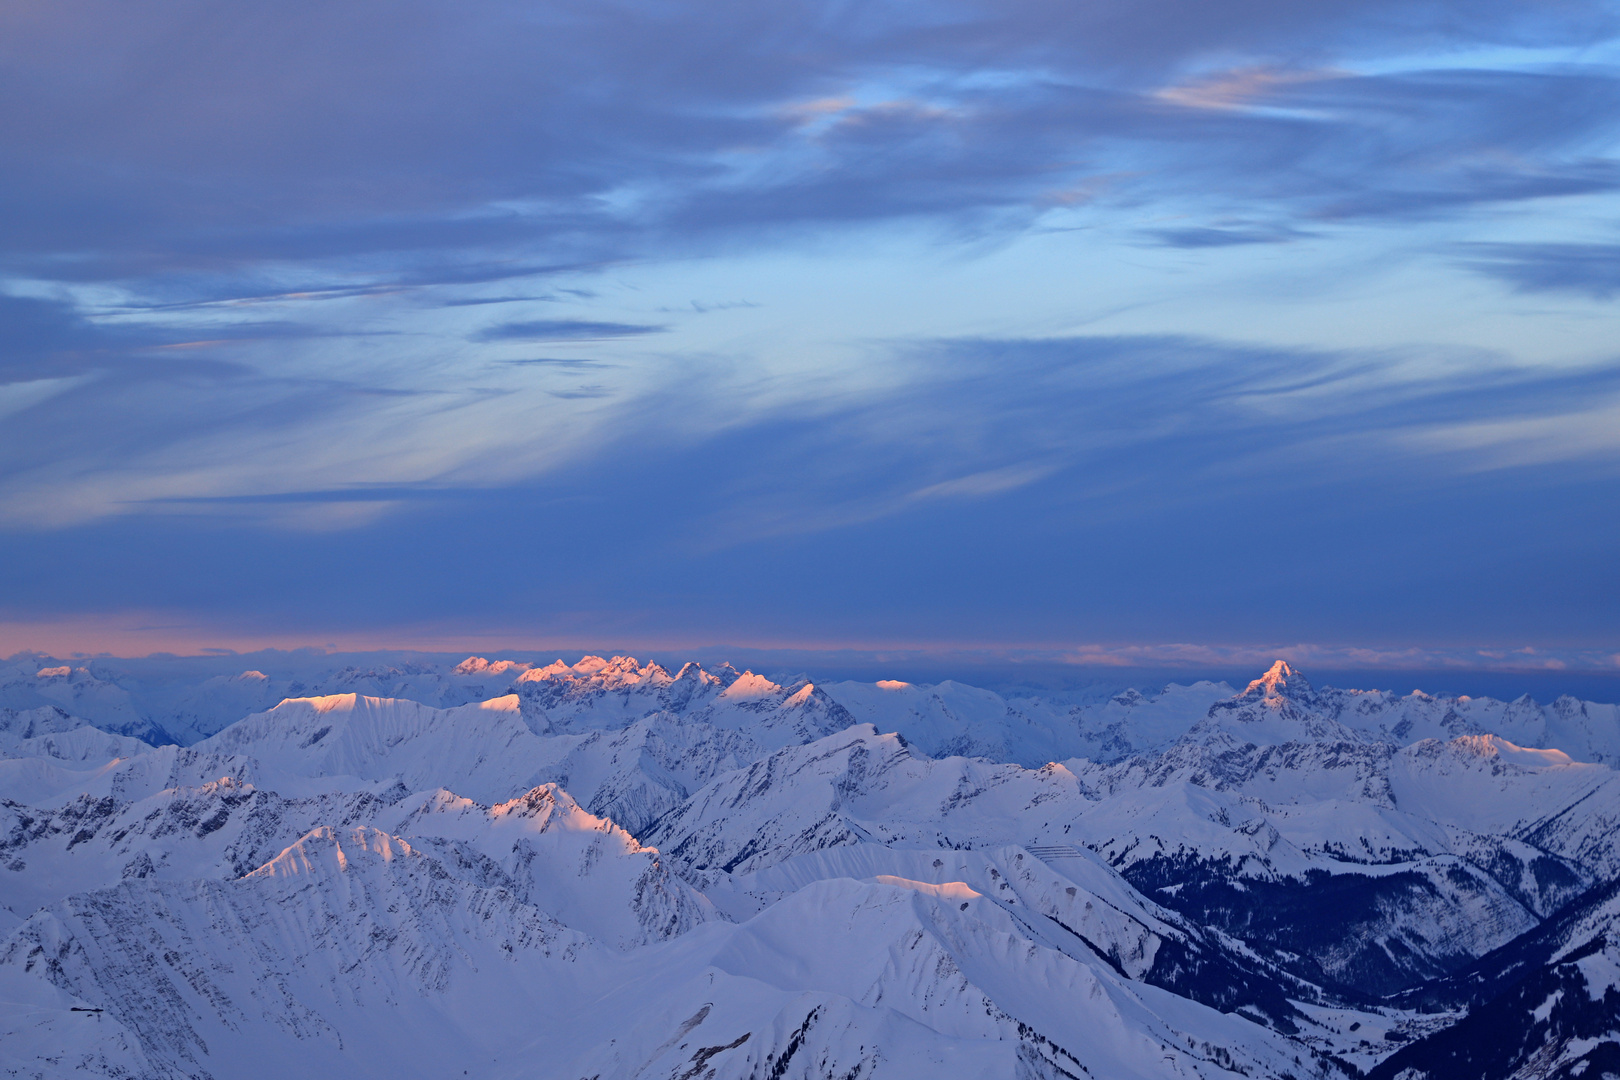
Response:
column 51, row 732
column 605, row 869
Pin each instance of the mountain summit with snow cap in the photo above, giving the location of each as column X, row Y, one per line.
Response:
column 1279, row 681
column 1280, row 706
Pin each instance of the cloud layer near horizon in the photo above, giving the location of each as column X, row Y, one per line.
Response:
column 1019, row 322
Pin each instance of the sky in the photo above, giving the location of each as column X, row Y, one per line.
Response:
column 1105, row 332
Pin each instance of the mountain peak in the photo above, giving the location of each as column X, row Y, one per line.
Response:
column 1283, row 695
column 748, row 686
column 325, row 850
column 1278, row 680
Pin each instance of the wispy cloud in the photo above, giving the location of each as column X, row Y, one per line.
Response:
column 258, row 349
column 1239, row 88
column 980, row 484
column 207, row 177
column 1585, row 269
column 1206, row 236
column 563, row 330
column 555, row 361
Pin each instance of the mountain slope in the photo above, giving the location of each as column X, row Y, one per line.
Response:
column 1546, row 1005
column 613, row 871
column 949, row 719
column 543, row 848
column 319, row 962
column 219, row 830
column 353, row 950
column 51, row 732
column 1302, row 849
column 486, row 751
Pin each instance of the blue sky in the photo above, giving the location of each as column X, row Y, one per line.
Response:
column 1133, row 331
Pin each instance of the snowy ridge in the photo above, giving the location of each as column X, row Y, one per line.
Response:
column 50, row 782
column 486, row 748
column 346, row 940
column 51, row 732
column 944, row 719
column 1196, row 828
column 292, row 962
column 612, row 694
column 638, row 774
column 78, row 692
column 220, row 830
column 486, row 751
column 1545, row 1005
column 1276, row 705
column 953, row 719
column 1280, row 706
column 541, row 846
column 584, row 870
column 604, row 869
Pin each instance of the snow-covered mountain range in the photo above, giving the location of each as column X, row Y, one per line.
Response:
column 610, row 870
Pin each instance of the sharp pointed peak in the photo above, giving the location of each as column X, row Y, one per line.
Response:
column 326, row 850
column 750, row 685
column 1279, row 678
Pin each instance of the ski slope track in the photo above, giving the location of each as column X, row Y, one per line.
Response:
column 608, row 870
